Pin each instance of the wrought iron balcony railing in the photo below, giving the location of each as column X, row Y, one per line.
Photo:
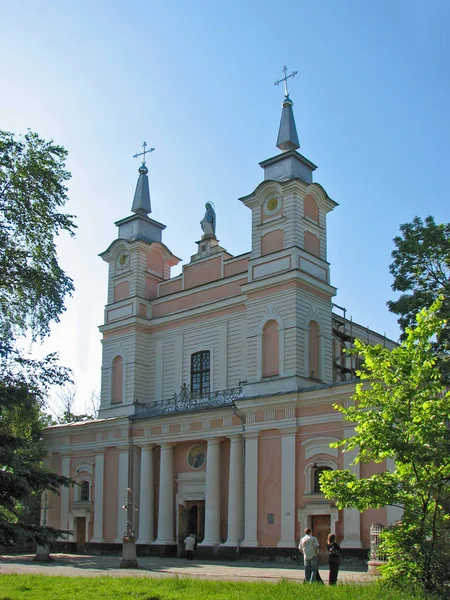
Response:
column 185, row 401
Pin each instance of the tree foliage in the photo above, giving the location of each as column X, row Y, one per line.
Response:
column 401, row 411
column 33, row 288
column 421, row 271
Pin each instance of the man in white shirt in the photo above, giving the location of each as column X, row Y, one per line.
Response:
column 189, row 546
column 309, row 547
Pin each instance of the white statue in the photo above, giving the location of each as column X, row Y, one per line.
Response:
column 208, row 222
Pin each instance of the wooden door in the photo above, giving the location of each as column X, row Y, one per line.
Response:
column 81, row 534
column 321, row 527
column 182, row 529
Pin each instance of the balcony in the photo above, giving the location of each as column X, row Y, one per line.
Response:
column 186, row 401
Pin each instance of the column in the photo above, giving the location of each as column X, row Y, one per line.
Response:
column 136, row 485
column 236, row 492
column 146, row 500
column 64, row 496
column 251, row 489
column 352, row 517
column 122, row 495
column 288, row 478
column 165, row 513
column 99, row 473
column 212, row 494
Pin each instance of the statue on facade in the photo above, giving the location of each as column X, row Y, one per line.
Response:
column 208, row 223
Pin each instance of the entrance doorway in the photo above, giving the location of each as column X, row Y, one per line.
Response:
column 321, row 527
column 191, row 519
column 81, row 534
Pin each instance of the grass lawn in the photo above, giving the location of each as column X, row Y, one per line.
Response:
column 42, row 587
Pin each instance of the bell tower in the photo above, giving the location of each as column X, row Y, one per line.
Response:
column 289, row 288
column 138, row 261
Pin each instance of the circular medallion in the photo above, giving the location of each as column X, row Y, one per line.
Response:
column 272, row 205
column 122, row 260
column 196, row 456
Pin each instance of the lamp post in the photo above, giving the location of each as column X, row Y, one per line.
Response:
column 129, row 560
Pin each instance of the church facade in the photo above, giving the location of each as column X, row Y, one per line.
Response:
column 218, row 384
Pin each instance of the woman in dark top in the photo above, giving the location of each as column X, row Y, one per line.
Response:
column 334, row 558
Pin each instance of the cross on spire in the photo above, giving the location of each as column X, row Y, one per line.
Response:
column 144, row 145
column 284, row 79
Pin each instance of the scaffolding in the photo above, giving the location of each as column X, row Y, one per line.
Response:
column 344, row 364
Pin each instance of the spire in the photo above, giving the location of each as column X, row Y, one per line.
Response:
column 141, row 202
column 287, row 133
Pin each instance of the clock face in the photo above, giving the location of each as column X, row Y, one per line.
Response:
column 196, row 456
column 272, row 205
column 122, row 260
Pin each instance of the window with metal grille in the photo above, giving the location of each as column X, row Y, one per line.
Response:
column 200, row 372
column 317, row 472
column 84, row 491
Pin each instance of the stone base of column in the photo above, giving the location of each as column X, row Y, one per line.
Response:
column 250, row 544
column 146, row 542
column 230, row 544
column 98, row 540
column 209, row 543
column 351, row 543
column 287, row 544
column 162, row 542
column 129, row 560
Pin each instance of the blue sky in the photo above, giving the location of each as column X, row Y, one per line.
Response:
column 195, row 80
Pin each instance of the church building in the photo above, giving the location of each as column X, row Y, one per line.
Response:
column 217, row 386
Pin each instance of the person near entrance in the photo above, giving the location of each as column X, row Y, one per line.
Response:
column 334, row 558
column 309, row 547
column 189, row 545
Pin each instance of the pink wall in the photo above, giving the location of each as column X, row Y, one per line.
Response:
column 310, row 208
column 110, row 496
column 312, row 243
column 224, row 479
column 219, row 292
column 269, row 487
column 198, row 274
column 121, row 291
column 272, row 242
column 271, row 350
column 236, row 266
column 151, row 287
column 314, row 350
column 54, row 500
column 155, row 263
column 170, row 287
column 117, row 380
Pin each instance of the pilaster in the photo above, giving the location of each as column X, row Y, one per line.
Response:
column 99, row 475
column 251, row 489
column 288, row 471
column 212, row 494
column 146, row 501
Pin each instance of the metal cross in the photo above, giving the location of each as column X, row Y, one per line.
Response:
column 144, row 145
column 285, row 78
column 45, row 508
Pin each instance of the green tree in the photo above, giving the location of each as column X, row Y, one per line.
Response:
column 401, row 411
column 33, row 288
column 421, row 271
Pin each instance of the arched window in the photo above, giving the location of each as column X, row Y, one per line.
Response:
column 311, row 209
column 317, row 471
column 314, row 351
column 270, row 349
column 117, row 380
column 84, row 491
column 200, row 372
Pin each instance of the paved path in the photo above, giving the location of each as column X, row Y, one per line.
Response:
column 75, row 565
